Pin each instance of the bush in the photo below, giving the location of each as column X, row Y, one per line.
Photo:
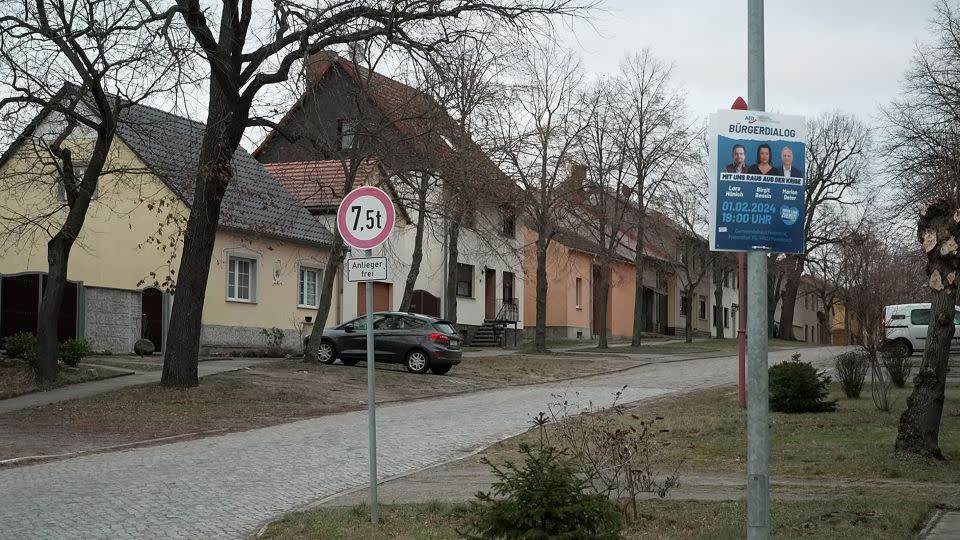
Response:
column 72, row 351
column 852, row 372
column 274, row 339
column 797, row 387
column 542, row 499
column 897, row 366
column 21, row 345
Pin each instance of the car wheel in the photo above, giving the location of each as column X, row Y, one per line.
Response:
column 326, row 352
column 902, row 348
column 440, row 370
column 417, row 361
column 349, row 361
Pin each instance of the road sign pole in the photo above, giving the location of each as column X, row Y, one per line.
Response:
column 372, row 404
column 758, row 481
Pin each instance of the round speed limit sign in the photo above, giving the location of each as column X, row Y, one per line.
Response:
column 366, row 217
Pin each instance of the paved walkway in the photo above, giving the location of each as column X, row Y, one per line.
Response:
column 92, row 388
column 228, row 486
column 946, row 527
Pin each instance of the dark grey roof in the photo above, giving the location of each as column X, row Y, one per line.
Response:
column 169, row 145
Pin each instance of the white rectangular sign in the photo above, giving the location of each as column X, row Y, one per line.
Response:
column 367, row 269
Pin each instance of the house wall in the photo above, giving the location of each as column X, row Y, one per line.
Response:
column 806, row 326
column 730, row 302
column 122, row 249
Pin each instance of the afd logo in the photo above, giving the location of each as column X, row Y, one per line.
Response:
column 751, row 118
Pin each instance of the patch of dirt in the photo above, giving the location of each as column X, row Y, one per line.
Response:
column 271, row 393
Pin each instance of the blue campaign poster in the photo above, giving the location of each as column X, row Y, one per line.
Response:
column 757, row 191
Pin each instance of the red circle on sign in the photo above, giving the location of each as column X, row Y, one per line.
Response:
column 348, row 234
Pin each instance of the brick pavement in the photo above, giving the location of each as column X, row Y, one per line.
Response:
column 227, row 486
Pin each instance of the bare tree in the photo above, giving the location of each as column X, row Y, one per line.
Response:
column 682, row 235
column 659, row 139
column 724, row 264
column 242, row 61
column 77, row 65
column 533, row 137
column 923, row 147
column 837, row 154
column 607, row 190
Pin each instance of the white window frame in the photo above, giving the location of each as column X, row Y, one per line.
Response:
column 254, row 275
column 579, row 292
column 300, row 286
column 702, row 308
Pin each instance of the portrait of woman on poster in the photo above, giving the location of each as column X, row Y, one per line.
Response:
column 763, row 165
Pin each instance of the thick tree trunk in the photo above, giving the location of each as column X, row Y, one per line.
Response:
column 790, row 292
column 688, row 323
column 337, row 252
column 453, row 254
column 215, row 171
column 718, row 309
column 58, row 251
column 411, row 283
column 540, row 335
column 602, row 323
column 919, row 430
column 638, row 311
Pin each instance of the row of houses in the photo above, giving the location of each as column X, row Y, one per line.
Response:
column 274, row 238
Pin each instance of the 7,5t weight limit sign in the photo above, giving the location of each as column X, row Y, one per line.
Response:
column 366, row 217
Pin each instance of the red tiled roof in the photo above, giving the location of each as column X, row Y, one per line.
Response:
column 319, row 183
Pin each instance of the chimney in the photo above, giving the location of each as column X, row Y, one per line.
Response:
column 318, row 64
column 578, row 175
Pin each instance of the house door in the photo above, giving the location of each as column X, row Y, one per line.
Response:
column 151, row 303
column 382, row 293
column 490, row 296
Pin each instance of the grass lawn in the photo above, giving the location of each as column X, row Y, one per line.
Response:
column 706, row 431
column 857, row 515
column 266, row 394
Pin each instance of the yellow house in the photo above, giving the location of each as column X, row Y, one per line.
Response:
column 268, row 257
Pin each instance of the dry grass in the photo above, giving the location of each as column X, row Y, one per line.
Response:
column 275, row 392
column 853, row 516
column 17, row 378
column 706, row 431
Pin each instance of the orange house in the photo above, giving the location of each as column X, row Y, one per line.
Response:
column 573, row 291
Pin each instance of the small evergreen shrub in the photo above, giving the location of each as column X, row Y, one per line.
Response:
column 544, row 498
column 797, row 387
column 897, row 366
column 72, row 351
column 852, row 372
column 21, row 345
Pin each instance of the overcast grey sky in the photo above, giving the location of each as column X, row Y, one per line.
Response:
column 820, row 54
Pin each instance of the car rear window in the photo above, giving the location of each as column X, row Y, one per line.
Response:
column 445, row 327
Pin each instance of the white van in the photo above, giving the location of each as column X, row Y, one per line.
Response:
column 906, row 327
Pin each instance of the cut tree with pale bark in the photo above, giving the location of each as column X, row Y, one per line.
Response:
column 67, row 72
column 923, row 153
column 244, row 56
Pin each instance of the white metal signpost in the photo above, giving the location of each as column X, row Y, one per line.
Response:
column 365, row 219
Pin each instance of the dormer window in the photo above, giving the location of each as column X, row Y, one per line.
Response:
column 346, row 133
